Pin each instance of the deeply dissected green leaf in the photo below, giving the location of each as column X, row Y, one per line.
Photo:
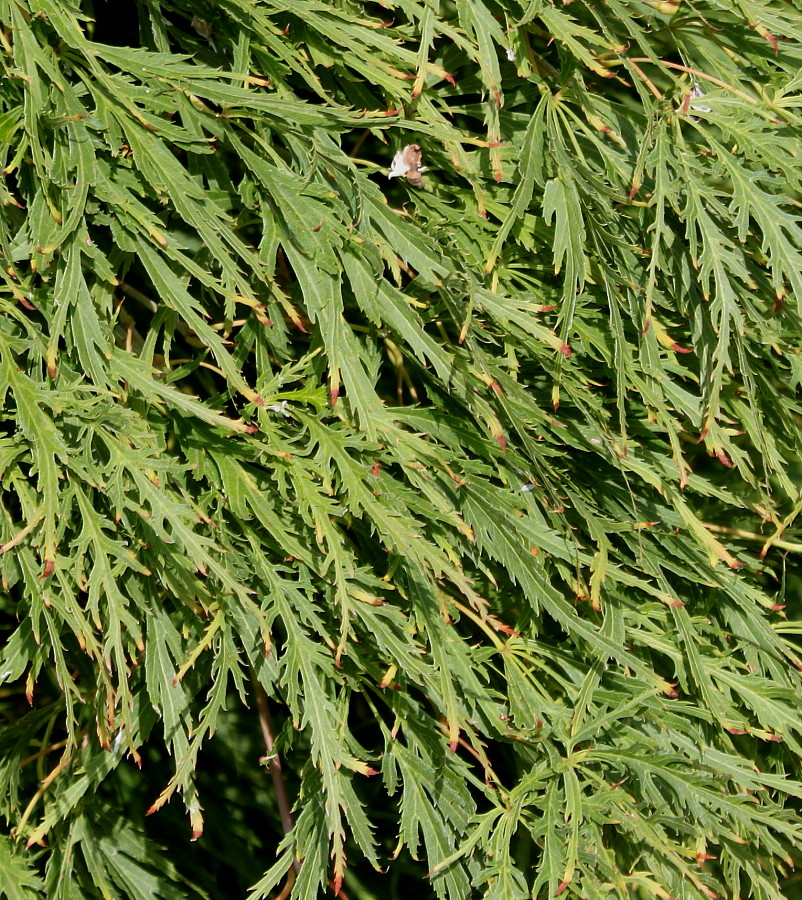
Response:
column 405, row 536
column 18, row 881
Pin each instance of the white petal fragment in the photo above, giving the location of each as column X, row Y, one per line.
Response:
column 399, row 167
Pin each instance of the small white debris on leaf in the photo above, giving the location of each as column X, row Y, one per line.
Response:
column 280, row 408
column 399, row 166
column 407, row 162
column 511, row 54
column 696, row 93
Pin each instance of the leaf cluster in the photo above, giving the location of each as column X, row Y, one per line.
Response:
column 477, row 501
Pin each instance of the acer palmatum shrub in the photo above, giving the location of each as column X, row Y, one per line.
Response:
column 431, row 533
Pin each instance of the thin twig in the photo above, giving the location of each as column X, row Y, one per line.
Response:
column 285, row 891
column 274, row 764
column 752, row 536
column 273, row 760
column 698, row 73
column 20, row 536
column 44, row 752
column 359, row 142
column 645, row 78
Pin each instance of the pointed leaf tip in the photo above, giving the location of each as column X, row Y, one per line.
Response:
column 722, row 457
